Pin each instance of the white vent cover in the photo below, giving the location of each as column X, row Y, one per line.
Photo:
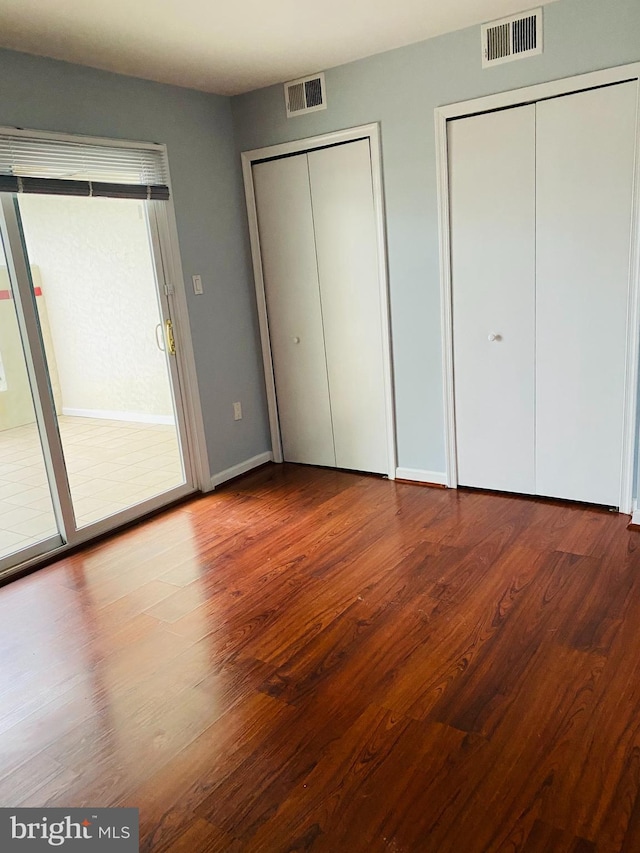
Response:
column 512, row 38
column 305, row 95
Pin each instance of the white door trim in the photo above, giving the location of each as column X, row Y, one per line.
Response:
column 517, row 97
column 372, row 133
column 167, row 252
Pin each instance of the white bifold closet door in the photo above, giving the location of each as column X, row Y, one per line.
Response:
column 492, row 185
column 318, row 241
column 287, row 246
column 541, row 199
column 584, row 183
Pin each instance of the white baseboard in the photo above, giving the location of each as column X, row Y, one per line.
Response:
column 105, row 415
column 241, row 468
column 635, row 518
column 438, row 478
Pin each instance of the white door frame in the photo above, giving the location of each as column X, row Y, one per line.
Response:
column 167, row 252
column 514, row 98
column 372, row 133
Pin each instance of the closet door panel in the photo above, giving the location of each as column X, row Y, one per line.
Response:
column 287, row 244
column 585, row 155
column 492, row 210
column 347, row 251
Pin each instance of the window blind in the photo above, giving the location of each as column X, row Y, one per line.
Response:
column 31, row 164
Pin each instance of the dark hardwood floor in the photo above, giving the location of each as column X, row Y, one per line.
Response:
column 310, row 660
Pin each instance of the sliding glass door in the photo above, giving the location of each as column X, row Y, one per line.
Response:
column 92, row 426
column 106, row 340
column 28, row 522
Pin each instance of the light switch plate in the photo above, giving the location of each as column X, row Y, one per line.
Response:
column 197, row 283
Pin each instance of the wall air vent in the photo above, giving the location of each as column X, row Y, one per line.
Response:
column 512, row 38
column 305, row 95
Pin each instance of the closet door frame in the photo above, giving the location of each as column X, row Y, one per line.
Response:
column 301, row 146
column 519, row 97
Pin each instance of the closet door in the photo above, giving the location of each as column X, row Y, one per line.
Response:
column 585, row 155
column 287, row 244
column 492, row 209
column 347, row 251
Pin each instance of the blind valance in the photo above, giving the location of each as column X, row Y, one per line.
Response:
column 47, row 165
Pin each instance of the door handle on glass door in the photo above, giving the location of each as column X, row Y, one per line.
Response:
column 171, row 341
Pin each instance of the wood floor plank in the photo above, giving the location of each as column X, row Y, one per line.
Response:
column 479, row 701
column 322, row 655
column 544, row 839
column 356, row 787
column 595, row 797
column 28, row 779
column 461, row 628
column 547, row 717
column 201, row 835
column 170, row 797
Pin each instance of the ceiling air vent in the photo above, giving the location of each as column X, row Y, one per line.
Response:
column 305, row 95
column 512, row 38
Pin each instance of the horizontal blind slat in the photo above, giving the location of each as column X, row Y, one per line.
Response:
column 33, row 157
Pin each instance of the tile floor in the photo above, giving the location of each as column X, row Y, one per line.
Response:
column 112, row 465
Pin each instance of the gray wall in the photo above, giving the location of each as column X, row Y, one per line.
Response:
column 196, row 127
column 400, row 89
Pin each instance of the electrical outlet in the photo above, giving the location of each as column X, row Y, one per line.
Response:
column 237, row 411
column 197, row 283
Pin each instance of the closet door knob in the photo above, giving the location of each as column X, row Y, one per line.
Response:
column 296, row 340
column 493, row 337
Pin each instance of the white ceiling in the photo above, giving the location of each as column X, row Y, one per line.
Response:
column 234, row 46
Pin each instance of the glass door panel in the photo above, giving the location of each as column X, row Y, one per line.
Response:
column 27, row 517
column 107, row 346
